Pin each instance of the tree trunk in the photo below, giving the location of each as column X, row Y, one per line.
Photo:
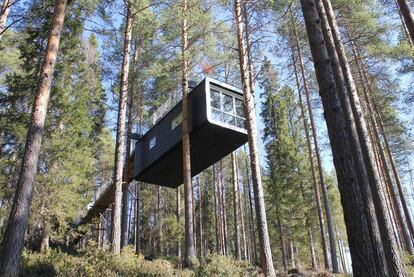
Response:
column 200, row 210
column 251, row 214
column 120, row 133
column 194, row 216
column 178, row 214
column 311, row 245
column 292, row 254
column 13, row 237
column 124, row 217
column 404, row 26
column 241, row 211
column 282, row 244
column 404, row 8
column 189, row 253
column 159, row 224
column 217, row 220
column 250, row 66
column 4, row 13
column 308, row 141
column 359, row 214
column 266, row 254
column 223, row 208
column 237, row 251
column 354, row 117
column 125, row 194
column 138, row 217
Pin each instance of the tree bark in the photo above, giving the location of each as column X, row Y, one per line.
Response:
column 223, row 208
column 4, row 13
column 404, row 8
column 251, row 215
column 138, row 217
column 237, row 251
column 189, row 253
column 178, row 214
column 266, row 254
column 120, row 132
column 217, row 220
column 354, row 115
column 13, row 239
column 240, row 205
column 308, row 141
column 359, row 213
column 159, row 224
column 200, row 210
column 133, row 86
column 311, row 245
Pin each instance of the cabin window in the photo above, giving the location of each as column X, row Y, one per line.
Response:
column 152, row 142
column 227, row 108
column 177, row 121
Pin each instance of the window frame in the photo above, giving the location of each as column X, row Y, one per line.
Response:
column 234, row 115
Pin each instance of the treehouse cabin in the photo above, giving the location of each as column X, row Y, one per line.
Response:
column 216, row 125
column 217, row 128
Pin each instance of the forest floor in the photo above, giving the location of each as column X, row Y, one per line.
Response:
column 92, row 261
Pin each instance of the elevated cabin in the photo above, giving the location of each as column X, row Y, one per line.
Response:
column 217, row 128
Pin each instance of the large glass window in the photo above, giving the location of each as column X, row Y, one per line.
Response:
column 227, row 108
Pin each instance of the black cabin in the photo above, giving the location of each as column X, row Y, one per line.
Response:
column 217, row 128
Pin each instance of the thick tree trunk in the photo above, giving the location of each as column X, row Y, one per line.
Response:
column 404, row 26
column 13, row 238
column 4, row 13
column 237, row 250
column 125, row 194
column 354, row 115
column 328, row 213
column 308, row 141
column 250, row 66
column 265, row 251
column 359, row 213
column 189, row 253
column 404, row 8
column 120, row 132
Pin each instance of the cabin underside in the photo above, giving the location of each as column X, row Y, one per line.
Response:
column 209, row 144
